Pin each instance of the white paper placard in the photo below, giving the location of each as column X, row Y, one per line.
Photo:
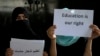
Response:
column 27, row 47
column 73, row 22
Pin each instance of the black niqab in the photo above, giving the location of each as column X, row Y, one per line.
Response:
column 22, row 29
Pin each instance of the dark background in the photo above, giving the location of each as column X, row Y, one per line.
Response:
column 41, row 19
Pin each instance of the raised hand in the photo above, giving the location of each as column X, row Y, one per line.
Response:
column 95, row 31
column 50, row 32
column 9, row 52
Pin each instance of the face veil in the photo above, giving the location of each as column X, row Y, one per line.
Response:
column 21, row 28
column 66, row 40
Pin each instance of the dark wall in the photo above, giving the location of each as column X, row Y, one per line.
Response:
column 42, row 20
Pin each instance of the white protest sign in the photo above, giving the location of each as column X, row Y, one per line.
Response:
column 73, row 22
column 27, row 47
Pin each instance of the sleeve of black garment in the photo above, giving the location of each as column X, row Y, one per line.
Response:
column 4, row 40
column 47, row 44
column 79, row 46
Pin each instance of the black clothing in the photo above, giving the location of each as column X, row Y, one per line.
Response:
column 4, row 40
column 21, row 29
column 76, row 49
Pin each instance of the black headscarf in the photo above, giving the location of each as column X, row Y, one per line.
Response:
column 21, row 29
column 19, row 10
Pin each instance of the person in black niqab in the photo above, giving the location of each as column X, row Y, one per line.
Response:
column 20, row 25
column 20, row 28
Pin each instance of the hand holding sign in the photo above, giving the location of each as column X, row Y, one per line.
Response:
column 95, row 31
column 9, row 52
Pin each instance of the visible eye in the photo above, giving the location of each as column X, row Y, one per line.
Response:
column 21, row 17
